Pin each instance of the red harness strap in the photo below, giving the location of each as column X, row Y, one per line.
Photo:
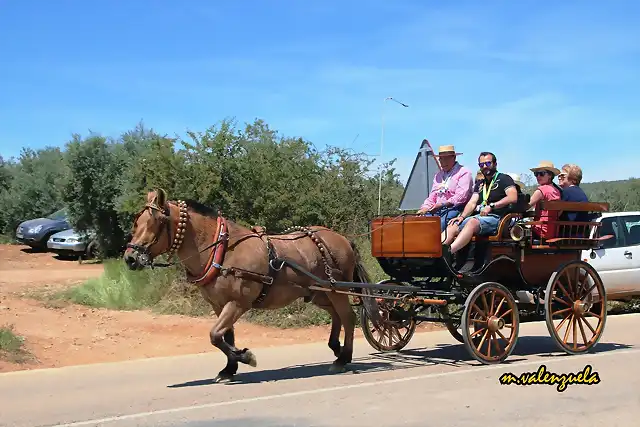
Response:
column 214, row 264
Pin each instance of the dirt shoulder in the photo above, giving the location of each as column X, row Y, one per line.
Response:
column 73, row 334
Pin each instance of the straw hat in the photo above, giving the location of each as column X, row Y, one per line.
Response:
column 516, row 179
column 546, row 165
column 447, row 150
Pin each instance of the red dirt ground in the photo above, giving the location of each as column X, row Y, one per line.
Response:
column 73, row 335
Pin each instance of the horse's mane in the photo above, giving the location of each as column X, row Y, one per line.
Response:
column 201, row 208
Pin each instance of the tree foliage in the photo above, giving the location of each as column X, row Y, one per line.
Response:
column 251, row 174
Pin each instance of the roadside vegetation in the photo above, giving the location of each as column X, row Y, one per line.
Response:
column 254, row 175
column 12, row 346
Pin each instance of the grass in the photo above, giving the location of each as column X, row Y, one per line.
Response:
column 7, row 240
column 12, row 346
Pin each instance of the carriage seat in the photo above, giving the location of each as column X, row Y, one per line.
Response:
column 515, row 212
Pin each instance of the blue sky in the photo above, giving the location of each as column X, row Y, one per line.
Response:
column 529, row 80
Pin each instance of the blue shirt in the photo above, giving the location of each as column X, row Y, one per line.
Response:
column 574, row 194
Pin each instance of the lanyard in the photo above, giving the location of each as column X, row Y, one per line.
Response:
column 487, row 189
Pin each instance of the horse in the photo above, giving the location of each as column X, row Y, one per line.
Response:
column 238, row 269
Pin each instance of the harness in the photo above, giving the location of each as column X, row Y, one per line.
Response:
column 214, row 266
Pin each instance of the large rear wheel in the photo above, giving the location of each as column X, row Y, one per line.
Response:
column 576, row 298
column 385, row 326
column 490, row 323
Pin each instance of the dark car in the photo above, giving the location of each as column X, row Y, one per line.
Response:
column 36, row 232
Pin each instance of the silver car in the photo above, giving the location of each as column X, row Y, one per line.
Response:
column 72, row 243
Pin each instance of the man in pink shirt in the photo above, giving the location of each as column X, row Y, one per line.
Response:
column 452, row 187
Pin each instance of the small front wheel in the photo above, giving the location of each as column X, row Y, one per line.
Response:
column 490, row 323
column 386, row 332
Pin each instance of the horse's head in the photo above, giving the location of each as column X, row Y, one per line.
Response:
column 158, row 228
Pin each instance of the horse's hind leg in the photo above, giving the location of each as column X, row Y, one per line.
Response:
column 223, row 337
column 322, row 301
column 348, row 317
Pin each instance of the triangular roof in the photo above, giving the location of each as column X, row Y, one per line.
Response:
column 420, row 179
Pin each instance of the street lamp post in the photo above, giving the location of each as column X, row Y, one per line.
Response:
column 389, row 98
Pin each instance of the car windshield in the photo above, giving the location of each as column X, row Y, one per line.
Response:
column 59, row 214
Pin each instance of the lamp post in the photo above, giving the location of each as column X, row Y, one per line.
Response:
column 388, row 98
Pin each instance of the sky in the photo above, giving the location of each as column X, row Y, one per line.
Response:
column 527, row 80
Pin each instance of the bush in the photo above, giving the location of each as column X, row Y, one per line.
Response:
column 12, row 346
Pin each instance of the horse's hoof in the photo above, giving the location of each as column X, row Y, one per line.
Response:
column 250, row 358
column 337, row 369
column 223, row 377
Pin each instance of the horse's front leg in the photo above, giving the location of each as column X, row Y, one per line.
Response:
column 223, row 337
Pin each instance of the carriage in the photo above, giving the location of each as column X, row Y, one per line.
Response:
column 483, row 293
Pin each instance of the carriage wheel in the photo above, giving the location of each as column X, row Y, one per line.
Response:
column 576, row 298
column 490, row 323
column 390, row 334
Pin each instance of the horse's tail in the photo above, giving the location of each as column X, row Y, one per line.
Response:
column 360, row 273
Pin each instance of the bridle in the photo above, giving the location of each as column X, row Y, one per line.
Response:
column 178, row 238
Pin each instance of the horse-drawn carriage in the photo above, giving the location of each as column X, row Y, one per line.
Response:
column 495, row 280
column 238, row 269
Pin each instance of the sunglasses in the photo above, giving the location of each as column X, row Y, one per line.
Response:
column 540, row 173
column 483, row 164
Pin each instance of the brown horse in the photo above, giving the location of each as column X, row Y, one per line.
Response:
column 237, row 269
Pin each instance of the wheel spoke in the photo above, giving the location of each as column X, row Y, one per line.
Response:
column 477, row 332
column 561, row 301
column 563, row 320
column 586, row 322
column 562, row 311
column 478, row 310
column 493, row 299
column 590, row 313
column 566, row 334
column 505, row 313
column 500, row 305
column 494, row 341
column 584, row 336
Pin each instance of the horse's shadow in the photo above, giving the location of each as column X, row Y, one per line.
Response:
column 442, row 354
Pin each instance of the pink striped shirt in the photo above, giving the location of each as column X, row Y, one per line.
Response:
column 454, row 187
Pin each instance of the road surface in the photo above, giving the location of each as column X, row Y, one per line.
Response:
column 434, row 383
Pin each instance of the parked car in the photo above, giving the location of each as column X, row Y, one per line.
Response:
column 36, row 232
column 617, row 260
column 73, row 243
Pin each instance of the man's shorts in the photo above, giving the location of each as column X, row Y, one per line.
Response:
column 446, row 215
column 488, row 224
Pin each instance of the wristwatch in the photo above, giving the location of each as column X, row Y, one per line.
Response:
column 492, row 205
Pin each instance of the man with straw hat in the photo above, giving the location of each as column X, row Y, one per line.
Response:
column 452, row 187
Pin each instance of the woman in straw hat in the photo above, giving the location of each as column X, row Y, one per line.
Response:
column 547, row 190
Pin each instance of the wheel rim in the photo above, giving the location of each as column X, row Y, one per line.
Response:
column 491, row 323
column 576, row 308
column 390, row 334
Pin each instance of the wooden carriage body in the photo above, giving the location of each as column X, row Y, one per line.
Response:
column 409, row 246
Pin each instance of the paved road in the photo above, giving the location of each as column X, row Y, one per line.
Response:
column 434, row 383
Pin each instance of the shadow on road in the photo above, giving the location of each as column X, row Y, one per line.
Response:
column 443, row 354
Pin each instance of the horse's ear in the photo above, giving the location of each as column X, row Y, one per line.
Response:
column 161, row 197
